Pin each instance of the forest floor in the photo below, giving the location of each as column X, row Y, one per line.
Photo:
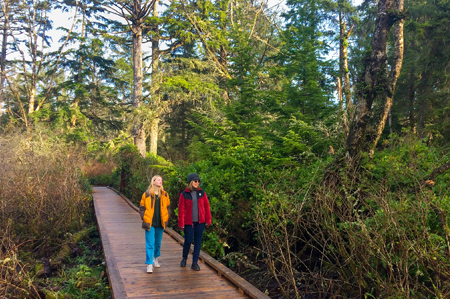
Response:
column 83, row 272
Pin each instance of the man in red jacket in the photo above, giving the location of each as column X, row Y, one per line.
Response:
column 193, row 213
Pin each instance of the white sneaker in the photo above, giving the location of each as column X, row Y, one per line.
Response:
column 149, row 268
column 155, row 263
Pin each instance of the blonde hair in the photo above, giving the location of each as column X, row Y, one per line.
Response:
column 190, row 187
column 155, row 189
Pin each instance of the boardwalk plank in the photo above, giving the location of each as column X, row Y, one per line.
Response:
column 124, row 246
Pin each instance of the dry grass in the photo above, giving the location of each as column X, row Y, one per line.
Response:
column 41, row 186
column 94, row 168
column 43, row 196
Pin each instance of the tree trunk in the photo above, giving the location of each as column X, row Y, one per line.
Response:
column 343, row 59
column 80, row 64
column 155, row 94
column 396, row 67
column 154, row 136
column 33, row 40
column 339, row 92
column 411, row 95
column 32, row 97
column 423, row 109
column 390, row 121
column 223, row 55
column 2, row 65
column 183, row 131
column 376, row 83
column 341, row 104
column 138, row 130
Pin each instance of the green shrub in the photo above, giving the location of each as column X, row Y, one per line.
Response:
column 232, row 180
column 374, row 230
column 133, row 173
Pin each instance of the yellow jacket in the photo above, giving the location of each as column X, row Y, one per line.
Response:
column 147, row 208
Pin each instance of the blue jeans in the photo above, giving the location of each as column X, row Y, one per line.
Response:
column 193, row 232
column 153, row 239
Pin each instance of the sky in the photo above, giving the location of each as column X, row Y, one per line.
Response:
column 65, row 19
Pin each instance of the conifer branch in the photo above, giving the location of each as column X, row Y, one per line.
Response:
column 222, row 68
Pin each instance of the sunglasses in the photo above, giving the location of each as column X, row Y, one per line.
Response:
column 196, row 181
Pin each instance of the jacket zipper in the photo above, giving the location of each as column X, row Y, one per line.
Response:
column 160, row 210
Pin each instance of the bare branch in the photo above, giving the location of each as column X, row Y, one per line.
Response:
column 350, row 31
column 256, row 18
column 59, row 58
column 19, row 101
column 17, row 46
column 147, row 7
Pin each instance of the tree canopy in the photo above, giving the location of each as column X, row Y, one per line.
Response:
column 312, row 108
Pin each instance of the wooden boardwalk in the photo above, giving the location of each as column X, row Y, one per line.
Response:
column 124, row 248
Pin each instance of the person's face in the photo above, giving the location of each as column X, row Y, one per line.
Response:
column 158, row 182
column 195, row 183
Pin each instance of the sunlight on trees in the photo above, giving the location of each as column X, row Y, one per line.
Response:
column 321, row 130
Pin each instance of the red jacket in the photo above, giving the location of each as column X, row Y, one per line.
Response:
column 185, row 208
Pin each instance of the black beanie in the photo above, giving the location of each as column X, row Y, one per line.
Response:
column 193, row 177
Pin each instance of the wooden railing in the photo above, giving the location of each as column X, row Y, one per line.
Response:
column 244, row 286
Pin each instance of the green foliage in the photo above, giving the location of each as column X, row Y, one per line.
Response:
column 83, row 276
column 134, row 172
column 379, row 230
column 245, row 99
column 212, row 244
column 105, row 179
column 421, row 100
column 232, row 177
column 404, row 161
column 304, row 44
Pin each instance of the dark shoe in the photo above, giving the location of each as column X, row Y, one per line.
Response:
column 183, row 263
column 195, row 267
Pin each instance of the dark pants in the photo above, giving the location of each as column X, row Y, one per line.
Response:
column 193, row 232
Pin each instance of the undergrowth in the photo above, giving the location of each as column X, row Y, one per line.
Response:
column 320, row 227
column 49, row 247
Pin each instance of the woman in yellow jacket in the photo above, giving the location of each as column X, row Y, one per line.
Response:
column 154, row 213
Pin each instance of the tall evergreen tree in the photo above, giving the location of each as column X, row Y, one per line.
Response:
column 309, row 89
column 376, row 83
column 423, row 87
column 135, row 13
